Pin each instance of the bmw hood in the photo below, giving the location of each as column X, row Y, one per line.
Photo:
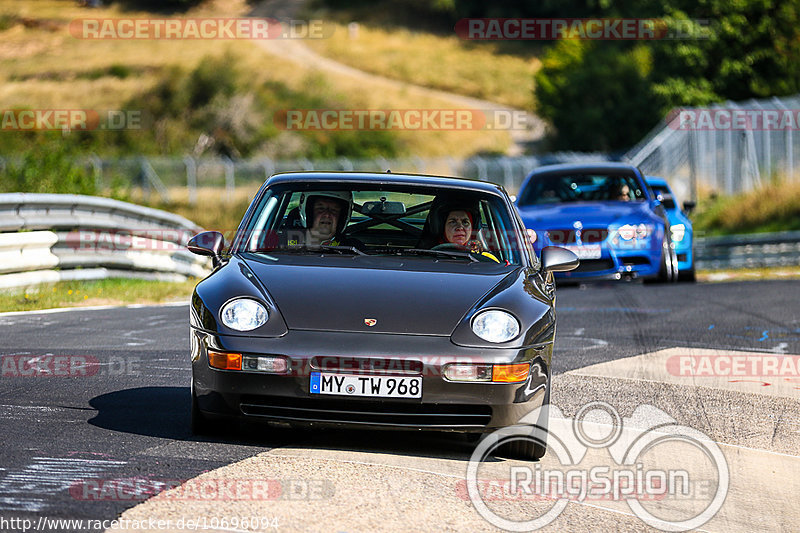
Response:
column 351, row 297
column 590, row 214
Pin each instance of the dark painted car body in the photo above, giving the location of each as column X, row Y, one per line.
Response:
column 586, row 219
column 375, row 314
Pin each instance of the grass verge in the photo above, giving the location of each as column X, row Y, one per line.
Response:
column 447, row 63
column 773, row 207
column 748, row 274
column 43, row 66
column 102, row 292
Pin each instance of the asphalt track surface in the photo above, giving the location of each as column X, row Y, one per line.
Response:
column 127, row 418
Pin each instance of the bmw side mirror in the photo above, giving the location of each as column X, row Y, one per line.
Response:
column 688, row 206
column 556, row 259
column 208, row 243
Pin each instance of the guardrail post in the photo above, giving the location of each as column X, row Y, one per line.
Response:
column 230, row 178
column 481, row 167
column 346, row 164
column 729, row 161
column 788, row 142
column 97, row 171
column 508, row 171
column 766, row 143
column 191, row 178
column 269, row 167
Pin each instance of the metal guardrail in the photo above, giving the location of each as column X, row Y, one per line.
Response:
column 757, row 250
column 54, row 237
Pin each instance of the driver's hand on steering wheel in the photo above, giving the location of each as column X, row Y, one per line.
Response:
column 474, row 246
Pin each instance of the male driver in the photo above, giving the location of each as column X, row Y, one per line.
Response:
column 325, row 220
column 325, row 214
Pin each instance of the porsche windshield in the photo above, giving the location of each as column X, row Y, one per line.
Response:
column 563, row 188
column 425, row 222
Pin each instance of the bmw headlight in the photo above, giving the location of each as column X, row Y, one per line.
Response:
column 244, row 314
column 495, row 326
column 627, row 232
column 630, row 231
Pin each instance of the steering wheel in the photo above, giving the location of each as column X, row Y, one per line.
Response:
column 453, row 246
column 450, row 246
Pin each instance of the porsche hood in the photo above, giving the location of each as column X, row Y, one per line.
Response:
column 367, row 300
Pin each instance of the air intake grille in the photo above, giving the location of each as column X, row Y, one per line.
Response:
column 398, row 414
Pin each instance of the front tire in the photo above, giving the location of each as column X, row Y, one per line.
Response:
column 688, row 276
column 667, row 272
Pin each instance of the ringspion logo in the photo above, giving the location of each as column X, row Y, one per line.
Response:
column 672, row 477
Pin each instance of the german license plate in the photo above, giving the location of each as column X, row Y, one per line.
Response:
column 589, row 251
column 375, row 386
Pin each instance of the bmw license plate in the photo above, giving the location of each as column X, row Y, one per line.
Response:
column 588, row 251
column 375, row 386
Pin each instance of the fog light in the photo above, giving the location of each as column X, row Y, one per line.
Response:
column 225, row 361
column 273, row 365
column 468, row 372
column 511, row 373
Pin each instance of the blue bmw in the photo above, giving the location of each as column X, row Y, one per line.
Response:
column 681, row 230
column 606, row 214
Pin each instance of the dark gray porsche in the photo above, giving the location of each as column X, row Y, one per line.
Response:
column 378, row 301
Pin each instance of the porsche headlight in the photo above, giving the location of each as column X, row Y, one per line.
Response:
column 495, row 326
column 244, row 314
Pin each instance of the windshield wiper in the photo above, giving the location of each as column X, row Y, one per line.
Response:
column 352, row 249
column 448, row 253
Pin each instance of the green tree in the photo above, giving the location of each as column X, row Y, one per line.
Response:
column 596, row 95
column 747, row 49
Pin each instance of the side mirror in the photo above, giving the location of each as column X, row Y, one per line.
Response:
column 688, row 206
column 208, row 243
column 556, row 259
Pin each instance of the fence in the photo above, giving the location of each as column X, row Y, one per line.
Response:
column 157, row 175
column 728, row 148
column 54, row 237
